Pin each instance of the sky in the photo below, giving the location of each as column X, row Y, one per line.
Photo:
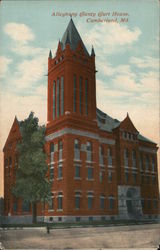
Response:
column 126, row 58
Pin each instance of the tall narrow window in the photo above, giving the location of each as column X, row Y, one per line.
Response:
column 111, row 202
column 89, row 151
column 51, row 172
column 62, row 95
column 126, row 177
column 60, row 204
column 54, row 100
column 134, row 159
column 90, row 200
column 109, row 157
column 141, row 161
column 80, row 95
column 147, row 163
column 74, row 93
column 102, row 201
column 101, row 155
column 60, row 148
column 76, row 149
column 51, row 202
column 134, row 177
column 153, row 164
column 126, row 157
column 86, row 97
column 57, row 98
column 90, row 173
column 77, row 172
column 77, row 200
column 52, row 152
column 60, row 172
column 110, row 176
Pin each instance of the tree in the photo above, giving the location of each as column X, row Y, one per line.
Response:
column 31, row 183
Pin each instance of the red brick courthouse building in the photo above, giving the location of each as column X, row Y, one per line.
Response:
column 101, row 168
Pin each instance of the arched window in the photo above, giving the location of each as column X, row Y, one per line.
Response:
column 89, row 151
column 51, row 202
column 52, row 152
column 89, row 146
column 76, row 149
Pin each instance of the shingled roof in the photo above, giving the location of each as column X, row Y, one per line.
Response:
column 72, row 37
column 107, row 123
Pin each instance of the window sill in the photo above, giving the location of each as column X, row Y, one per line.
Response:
column 77, row 178
column 89, row 179
column 126, row 166
column 50, row 210
column 101, row 165
column 77, row 160
column 110, row 166
column 59, row 179
column 89, row 161
column 52, row 162
column 59, row 210
column 60, row 160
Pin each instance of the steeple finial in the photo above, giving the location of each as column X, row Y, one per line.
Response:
column 92, row 51
column 50, row 54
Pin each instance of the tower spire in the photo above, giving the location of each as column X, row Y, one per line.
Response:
column 50, row 54
column 72, row 37
column 92, row 51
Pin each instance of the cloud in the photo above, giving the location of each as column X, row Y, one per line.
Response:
column 19, row 32
column 30, row 73
column 21, row 106
column 4, row 64
column 25, row 49
column 146, row 62
column 110, row 38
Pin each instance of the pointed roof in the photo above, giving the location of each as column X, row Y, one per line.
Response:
column 50, row 54
column 92, row 51
column 72, row 36
column 14, row 132
column 127, row 124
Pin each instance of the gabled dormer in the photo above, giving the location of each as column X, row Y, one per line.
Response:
column 126, row 130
